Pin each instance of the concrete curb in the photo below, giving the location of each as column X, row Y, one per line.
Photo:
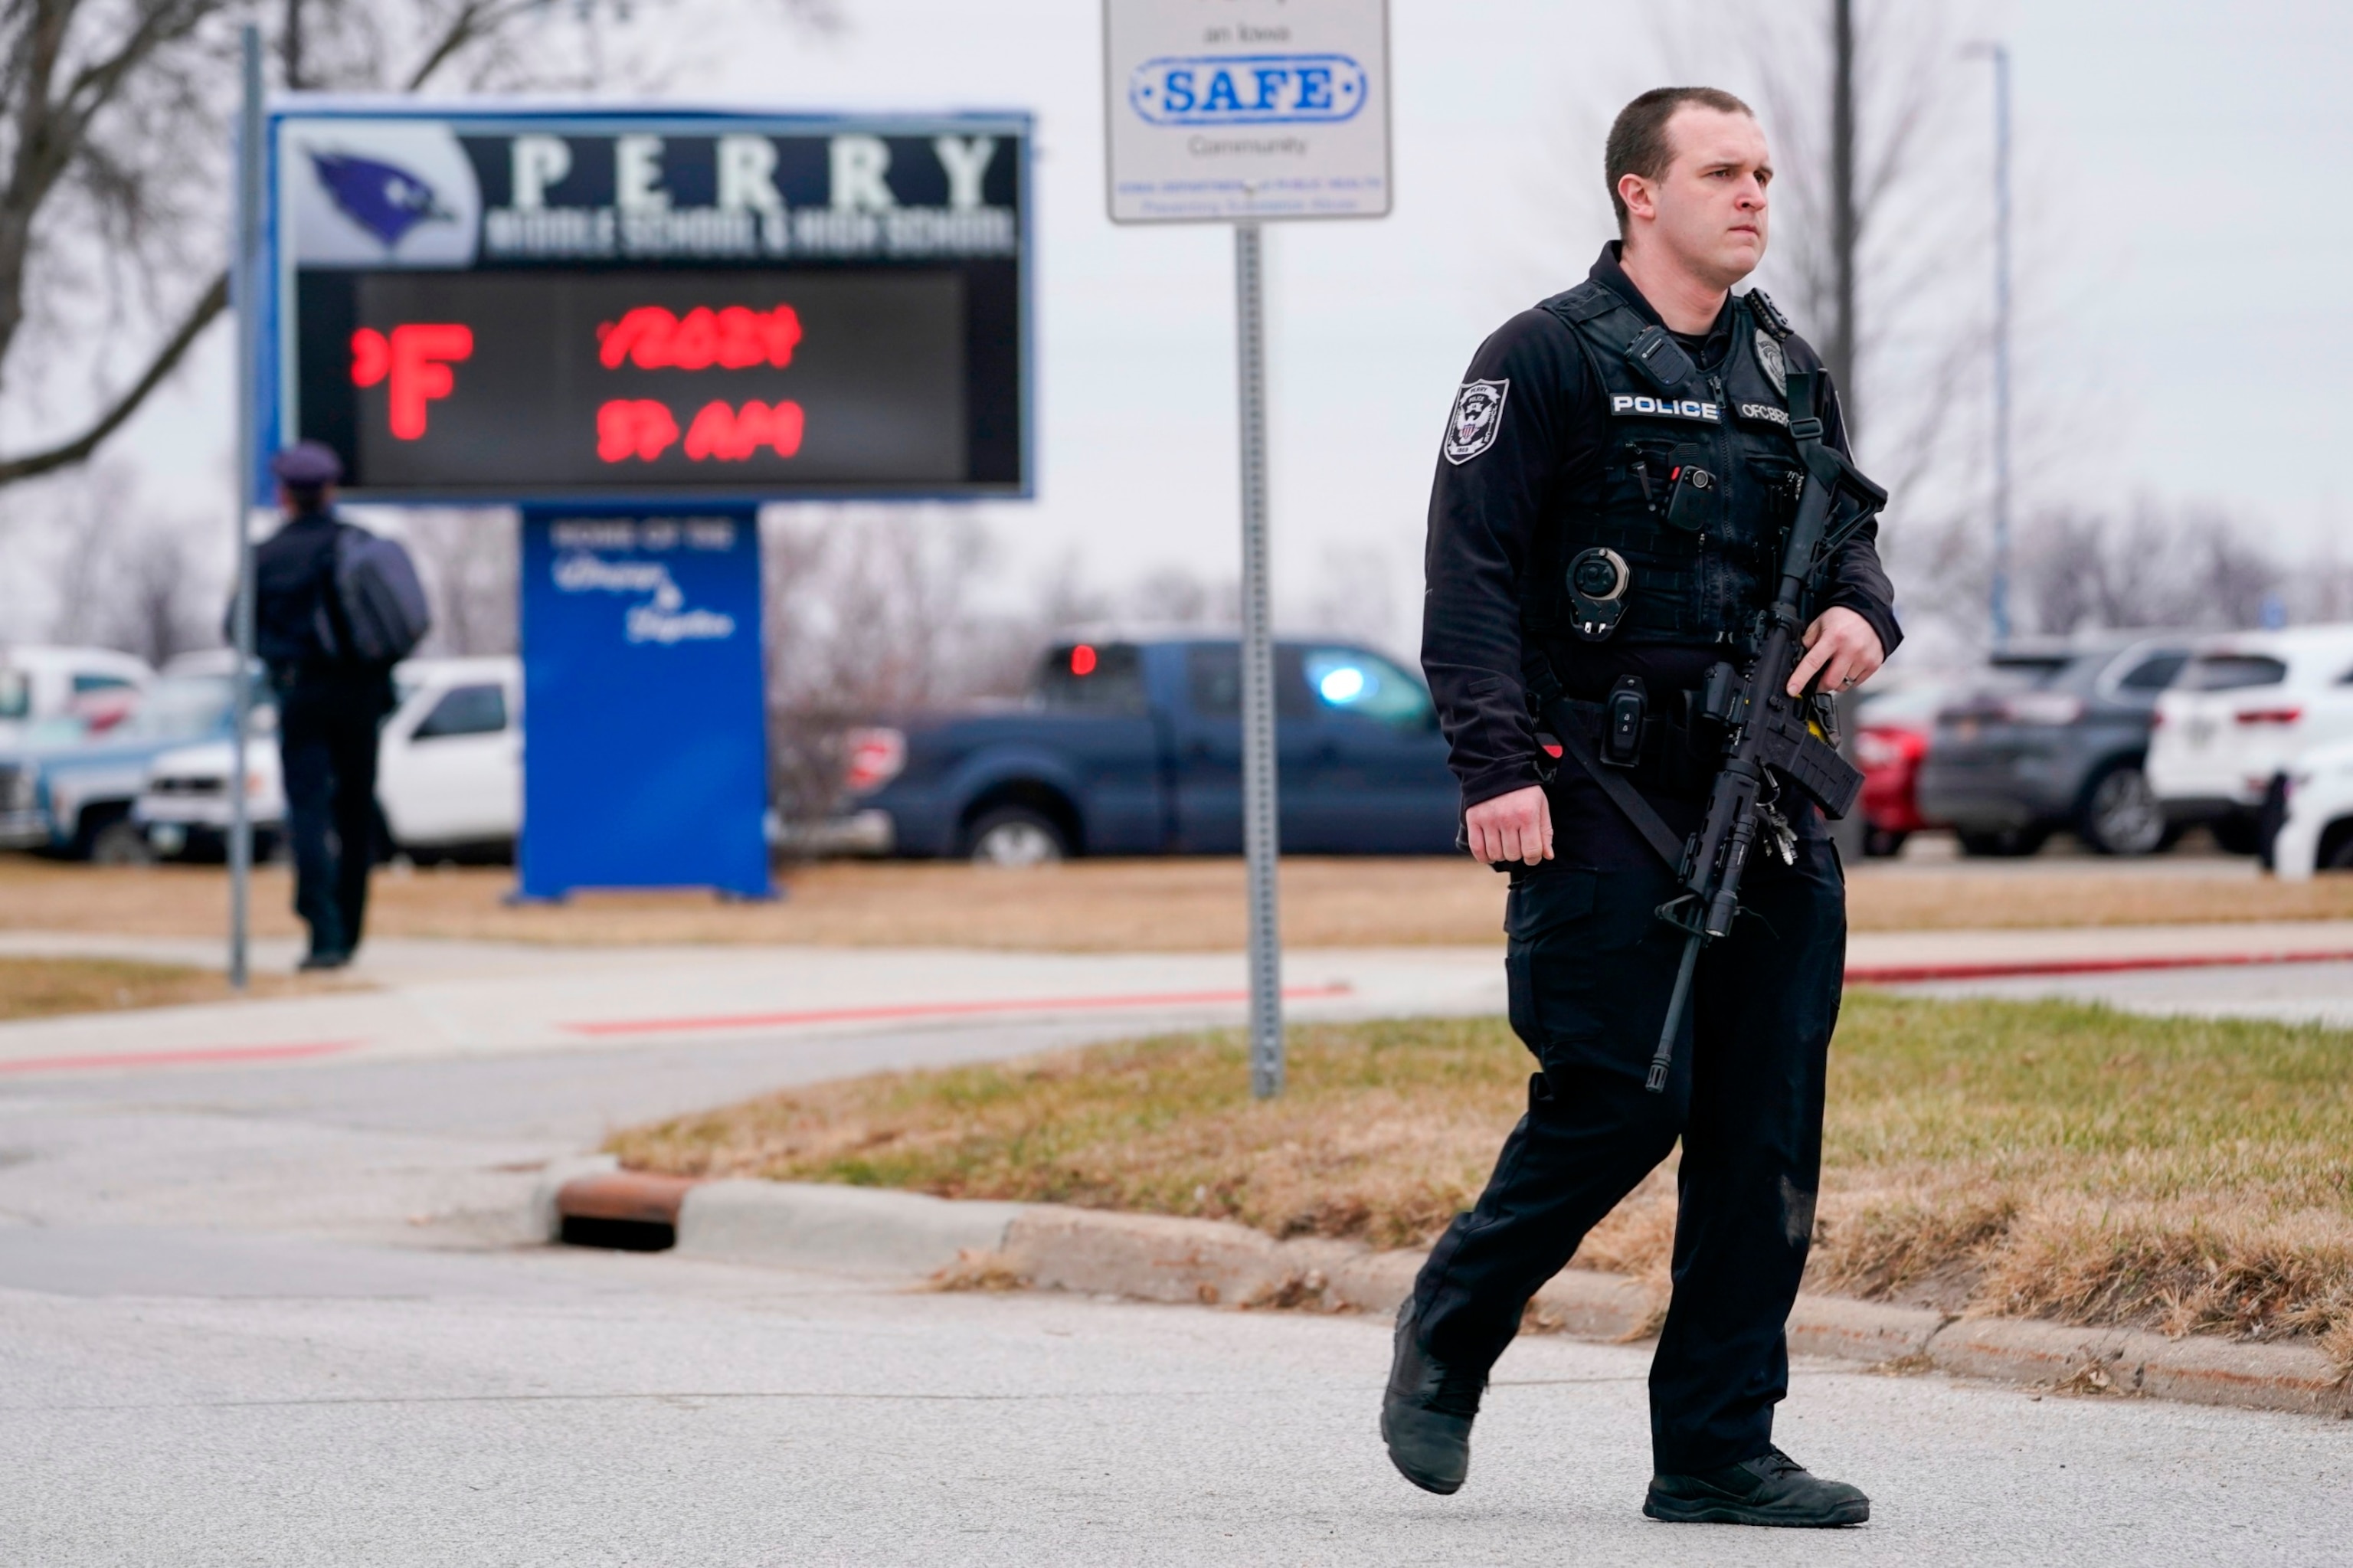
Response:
column 547, row 1206
column 1155, row 1257
column 845, row 1230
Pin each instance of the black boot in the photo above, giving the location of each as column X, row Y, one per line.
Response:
column 1771, row 1488
column 1426, row 1413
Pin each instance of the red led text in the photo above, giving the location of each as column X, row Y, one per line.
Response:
column 731, row 435
column 642, row 428
column 415, row 359
column 634, row 427
column 736, row 338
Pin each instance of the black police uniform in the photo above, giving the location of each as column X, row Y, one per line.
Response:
column 1560, row 443
column 328, row 710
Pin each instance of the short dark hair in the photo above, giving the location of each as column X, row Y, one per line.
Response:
column 1638, row 141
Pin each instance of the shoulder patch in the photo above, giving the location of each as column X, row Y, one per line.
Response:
column 1776, row 364
column 1477, row 420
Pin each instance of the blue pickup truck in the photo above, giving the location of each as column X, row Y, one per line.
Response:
column 1133, row 747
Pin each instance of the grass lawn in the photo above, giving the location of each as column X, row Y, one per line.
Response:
column 44, row 986
column 2015, row 1159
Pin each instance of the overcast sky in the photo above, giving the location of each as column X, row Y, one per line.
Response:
column 2183, row 222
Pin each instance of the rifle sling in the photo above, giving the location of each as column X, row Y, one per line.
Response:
column 1578, row 726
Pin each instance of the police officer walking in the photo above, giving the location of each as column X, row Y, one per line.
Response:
column 329, row 704
column 1618, row 474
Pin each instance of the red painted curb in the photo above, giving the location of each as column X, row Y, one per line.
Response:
column 195, row 1056
column 938, row 1010
column 1905, row 974
column 624, row 1195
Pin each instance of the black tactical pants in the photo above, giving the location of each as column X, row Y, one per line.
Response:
column 327, row 751
column 1590, row 968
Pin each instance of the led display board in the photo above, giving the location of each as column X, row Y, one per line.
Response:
column 651, row 306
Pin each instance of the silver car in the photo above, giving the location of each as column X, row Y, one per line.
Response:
column 2055, row 738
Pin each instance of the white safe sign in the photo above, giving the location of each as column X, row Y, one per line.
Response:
column 1224, row 109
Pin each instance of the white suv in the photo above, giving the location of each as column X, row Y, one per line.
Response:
column 2242, row 711
column 2316, row 829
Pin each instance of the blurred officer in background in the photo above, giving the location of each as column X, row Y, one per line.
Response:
column 1620, row 469
column 329, row 704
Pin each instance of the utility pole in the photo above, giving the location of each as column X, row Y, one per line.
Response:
column 1845, row 224
column 2000, row 605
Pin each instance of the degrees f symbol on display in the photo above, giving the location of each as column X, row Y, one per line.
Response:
column 415, row 359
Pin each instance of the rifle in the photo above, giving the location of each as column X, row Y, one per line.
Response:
column 1769, row 740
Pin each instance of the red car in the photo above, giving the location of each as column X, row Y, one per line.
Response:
column 1891, row 738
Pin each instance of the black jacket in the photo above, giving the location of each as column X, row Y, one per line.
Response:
column 1484, row 512
column 292, row 572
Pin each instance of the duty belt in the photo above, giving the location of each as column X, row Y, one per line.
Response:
column 1672, row 760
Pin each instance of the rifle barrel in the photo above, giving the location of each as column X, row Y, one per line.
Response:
column 1663, row 1057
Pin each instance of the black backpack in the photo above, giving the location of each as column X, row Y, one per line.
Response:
column 377, row 614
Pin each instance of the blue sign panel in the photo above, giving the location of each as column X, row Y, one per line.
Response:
column 645, row 724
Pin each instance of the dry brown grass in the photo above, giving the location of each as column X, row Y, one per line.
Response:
column 1178, row 904
column 46, row 987
column 2012, row 1158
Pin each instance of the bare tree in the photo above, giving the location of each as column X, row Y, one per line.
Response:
column 2147, row 567
column 152, row 611
column 110, row 113
column 872, row 612
column 470, row 563
column 124, row 580
column 1173, row 595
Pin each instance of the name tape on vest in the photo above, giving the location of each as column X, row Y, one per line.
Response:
column 1667, row 408
column 1764, row 411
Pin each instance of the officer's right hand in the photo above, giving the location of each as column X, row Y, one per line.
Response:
column 1517, row 826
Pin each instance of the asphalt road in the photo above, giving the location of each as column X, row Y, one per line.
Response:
column 286, row 1315
column 308, row 1402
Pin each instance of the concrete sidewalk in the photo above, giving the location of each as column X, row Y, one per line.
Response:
column 448, row 999
column 433, row 999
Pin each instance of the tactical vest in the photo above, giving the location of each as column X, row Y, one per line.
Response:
column 1698, row 478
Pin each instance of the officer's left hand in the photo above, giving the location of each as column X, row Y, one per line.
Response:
column 1844, row 647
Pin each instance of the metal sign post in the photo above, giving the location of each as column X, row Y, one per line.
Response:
column 1260, row 847
column 245, row 295
column 1247, row 111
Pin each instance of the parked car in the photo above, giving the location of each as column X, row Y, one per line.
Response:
column 182, row 810
column 94, row 684
column 1891, row 738
column 68, row 792
column 2056, row 739
column 2316, row 830
column 450, row 776
column 448, row 772
column 1133, row 745
column 2246, row 707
